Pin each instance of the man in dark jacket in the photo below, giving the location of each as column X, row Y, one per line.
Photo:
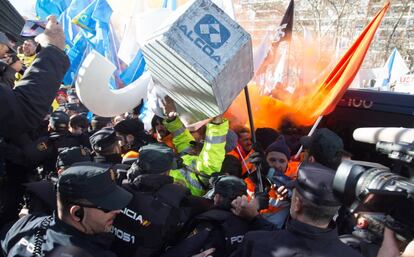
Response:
column 23, row 108
column 87, row 203
column 9, row 62
column 309, row 231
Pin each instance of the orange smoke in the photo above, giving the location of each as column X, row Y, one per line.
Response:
column 307, row 63
column 309, row 89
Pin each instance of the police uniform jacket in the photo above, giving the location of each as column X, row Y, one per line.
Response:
column 6, row 75
column 153, row 217
column 23, row 108
column 216, row 228
column 298, row 239
column 20, row 240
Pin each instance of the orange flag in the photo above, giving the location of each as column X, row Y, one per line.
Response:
column 304, row 107
column 331, row 90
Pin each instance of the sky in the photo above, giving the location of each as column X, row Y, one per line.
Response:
column 26, row 8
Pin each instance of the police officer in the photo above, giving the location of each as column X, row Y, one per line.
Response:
column 46, row 149
column 309, row 231
column 159, row 207
column 98, row 123
column 23, row 107
column 217, row 228
column 40, row 196
column 105, row 145
column 88, row 201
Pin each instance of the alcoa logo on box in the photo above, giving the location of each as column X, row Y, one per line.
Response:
column 208, row 34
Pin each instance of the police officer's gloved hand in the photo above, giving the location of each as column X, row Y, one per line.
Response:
column 258, row 157
column 262, row 199
column 133, row 172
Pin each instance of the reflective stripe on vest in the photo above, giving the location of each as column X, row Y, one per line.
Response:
column 216, row 139
column 178, row 131
column 187, row 176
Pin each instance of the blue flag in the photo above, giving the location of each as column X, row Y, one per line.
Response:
column 76, row 54
column 65, row 19
column 134, row 69
column 101, row 41
column 45, row 8
column 85, row 21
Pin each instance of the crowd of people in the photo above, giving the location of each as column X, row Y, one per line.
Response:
column 73, row 185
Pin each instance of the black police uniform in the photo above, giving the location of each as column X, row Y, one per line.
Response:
column 23, row 108
column 152, row 218
column 46, row 149
column 298, row 239
column 21, row 238
column 314, row 183
column 38, row 236
column 7, row 74
column 216, row 228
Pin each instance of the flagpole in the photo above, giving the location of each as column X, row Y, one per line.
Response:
column 251, row 122
column 315, row 125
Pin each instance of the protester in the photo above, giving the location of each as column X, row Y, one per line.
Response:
column 266, row 136
column 85, row 214
column 27, row 56
column 309, row 231
column 276, row 172
column 244, row 149
column 28, row 52
column 61, row 97
column 198, row 164
column 160, row 132
column 132, row 134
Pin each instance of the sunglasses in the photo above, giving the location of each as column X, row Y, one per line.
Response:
column 92, row 206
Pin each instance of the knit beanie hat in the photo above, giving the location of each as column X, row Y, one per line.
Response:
column 279, row 146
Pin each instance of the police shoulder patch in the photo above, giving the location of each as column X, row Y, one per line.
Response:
column 42, row 146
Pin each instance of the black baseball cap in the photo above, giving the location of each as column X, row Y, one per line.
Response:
column 155, row 158
column 230, row 186
column 70, row 155
column 59, row 120
column 92, row 181
column 72, row 107
column 324, row 145
column 314, row 182
column 103, row 138
column 129, row 126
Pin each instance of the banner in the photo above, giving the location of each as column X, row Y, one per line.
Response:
column 268, row 74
